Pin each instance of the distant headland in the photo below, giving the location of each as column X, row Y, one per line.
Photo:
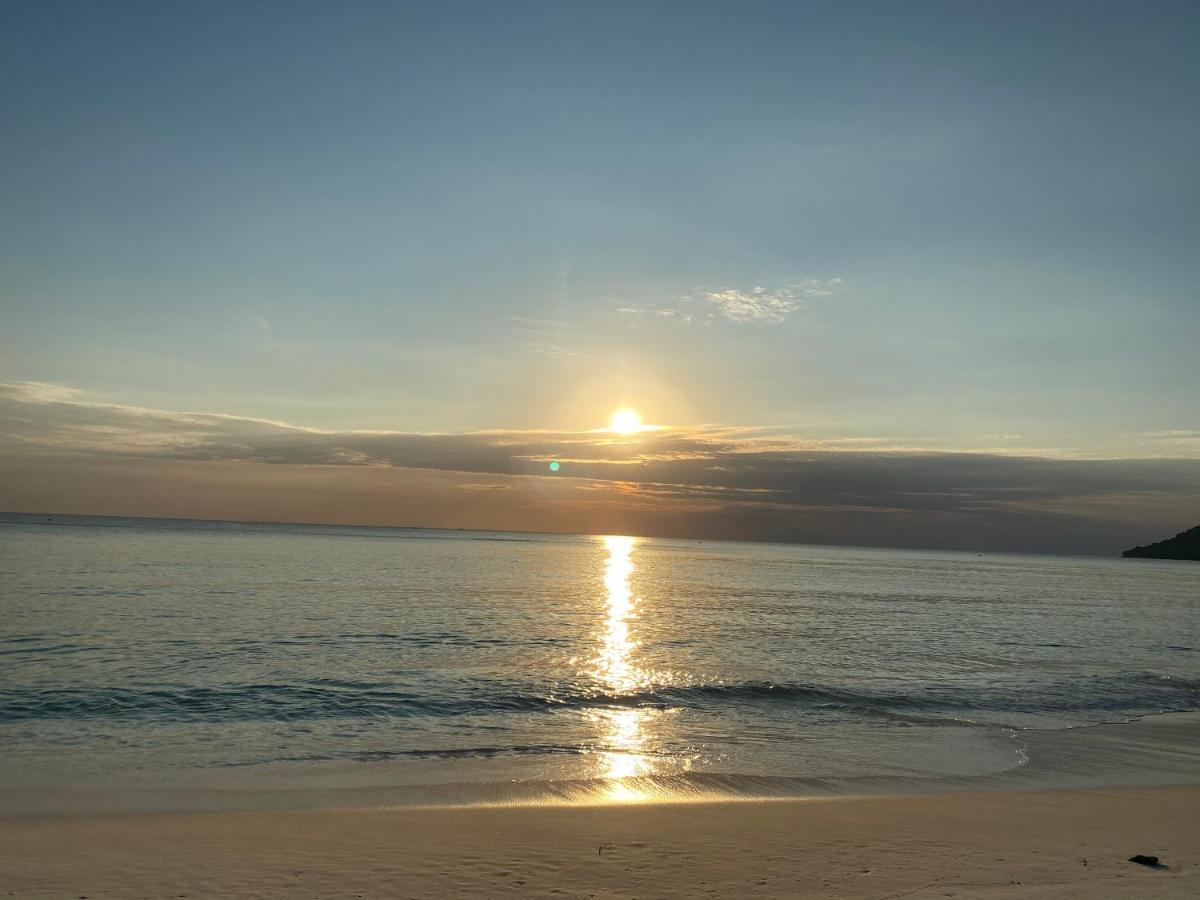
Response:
column 1185, row 545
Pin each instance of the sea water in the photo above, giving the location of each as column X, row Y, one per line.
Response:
column 168, row 663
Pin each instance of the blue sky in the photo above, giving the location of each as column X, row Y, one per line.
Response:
column 920, row 225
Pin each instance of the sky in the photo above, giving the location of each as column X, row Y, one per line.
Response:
column 919, row 274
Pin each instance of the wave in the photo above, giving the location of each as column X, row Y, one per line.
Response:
column 484, row 752
column 47, row 648
column 942, row 704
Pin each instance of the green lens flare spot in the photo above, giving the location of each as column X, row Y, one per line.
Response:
column 554, row 467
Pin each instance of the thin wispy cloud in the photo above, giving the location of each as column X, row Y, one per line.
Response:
column 1174, row 440
column 757, row 303
column 762, row 304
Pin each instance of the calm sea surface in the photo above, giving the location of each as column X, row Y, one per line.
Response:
column 170, row 663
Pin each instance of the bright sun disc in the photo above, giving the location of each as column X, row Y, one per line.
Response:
column 625, row 421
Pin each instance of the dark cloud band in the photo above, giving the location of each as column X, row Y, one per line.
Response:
column 775, row 481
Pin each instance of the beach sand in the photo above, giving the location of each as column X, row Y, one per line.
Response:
column 986, row 845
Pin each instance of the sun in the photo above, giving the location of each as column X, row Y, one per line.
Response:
column 625, row 420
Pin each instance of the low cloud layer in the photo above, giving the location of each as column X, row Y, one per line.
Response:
column 699, row 481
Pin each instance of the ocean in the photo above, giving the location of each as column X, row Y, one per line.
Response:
column 172, row 664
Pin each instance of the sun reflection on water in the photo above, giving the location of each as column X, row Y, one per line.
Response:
column 623, row 729
column 614, row 665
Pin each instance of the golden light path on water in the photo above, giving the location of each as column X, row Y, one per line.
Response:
column 623, row 729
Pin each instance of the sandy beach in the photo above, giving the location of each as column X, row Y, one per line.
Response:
column 987, row 845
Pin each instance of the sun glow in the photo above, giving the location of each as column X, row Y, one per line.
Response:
column 625, row 420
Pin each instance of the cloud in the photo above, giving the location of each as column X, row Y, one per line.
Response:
column 1174, row 442
column 754, row 304
column 749, row 483
column 39, row 391
column 760, row 304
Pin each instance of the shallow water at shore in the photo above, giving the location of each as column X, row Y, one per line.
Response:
column 233, row 662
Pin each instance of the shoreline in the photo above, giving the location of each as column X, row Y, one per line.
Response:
column 1003, row 844
column 1156, row 750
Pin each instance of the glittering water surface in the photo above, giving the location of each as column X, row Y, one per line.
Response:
column 467, row 665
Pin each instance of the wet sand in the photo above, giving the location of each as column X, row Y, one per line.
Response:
column 1049, row 844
